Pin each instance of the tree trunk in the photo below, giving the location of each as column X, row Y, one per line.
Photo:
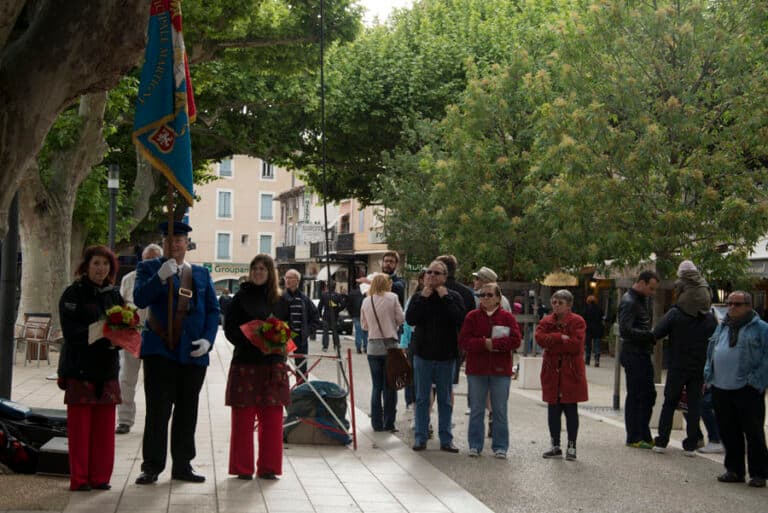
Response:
column 88, row 47
column 45, row 213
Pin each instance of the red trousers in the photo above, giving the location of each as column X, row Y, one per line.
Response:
column 91, row 438
column 270, row 440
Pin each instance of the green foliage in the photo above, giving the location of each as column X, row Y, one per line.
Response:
column 657, row 146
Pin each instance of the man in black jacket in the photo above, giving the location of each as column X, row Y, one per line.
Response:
column 436, row 315
column 637, row 342
column 304, row 318
column 688, row 339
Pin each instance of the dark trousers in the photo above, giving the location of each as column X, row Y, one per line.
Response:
column 641, row 396
column 170, row 386
column 741, row 414
column 673, row 389
column 554, row 414
column 382, row 415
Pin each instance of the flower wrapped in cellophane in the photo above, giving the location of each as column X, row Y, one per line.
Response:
column 271, row 336
column 123, row 328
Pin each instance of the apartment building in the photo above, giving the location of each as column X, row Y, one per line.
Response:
column 237, row 217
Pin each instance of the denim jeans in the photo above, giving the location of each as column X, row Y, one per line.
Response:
column 708, row 416
column 361, row 336
column 479, row 387
column 439, row 372
column 641, row 395
column 382, row 418
column 591, row 345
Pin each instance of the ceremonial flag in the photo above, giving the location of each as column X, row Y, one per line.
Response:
column 165, row 106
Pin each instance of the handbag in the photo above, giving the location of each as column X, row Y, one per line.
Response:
column 398, row 368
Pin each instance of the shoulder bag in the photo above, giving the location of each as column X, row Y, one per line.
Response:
column 398, row 368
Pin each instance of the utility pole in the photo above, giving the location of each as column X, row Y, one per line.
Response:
column 8, row 280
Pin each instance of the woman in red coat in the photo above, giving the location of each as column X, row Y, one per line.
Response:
column 489, row 335
column 563, row 377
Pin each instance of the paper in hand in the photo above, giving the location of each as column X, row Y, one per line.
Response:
column 95, row 331
column 499, row 331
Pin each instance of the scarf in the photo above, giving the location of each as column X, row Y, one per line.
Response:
column 734, row 325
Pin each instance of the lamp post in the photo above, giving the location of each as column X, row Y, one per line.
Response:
column 113, row 184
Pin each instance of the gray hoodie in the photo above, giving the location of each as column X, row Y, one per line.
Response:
column 693, row 294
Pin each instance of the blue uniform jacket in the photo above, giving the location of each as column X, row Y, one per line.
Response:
column 202, row 321
column 753, row 360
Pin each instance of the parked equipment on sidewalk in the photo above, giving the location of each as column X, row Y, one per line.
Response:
column 317, row 408
column 26, row 430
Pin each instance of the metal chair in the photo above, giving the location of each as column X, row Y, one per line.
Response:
column 34, row 336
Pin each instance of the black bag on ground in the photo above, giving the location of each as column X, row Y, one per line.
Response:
column 17, row 454
column 309, row 421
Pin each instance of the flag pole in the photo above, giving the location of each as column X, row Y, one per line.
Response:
column 169, row 199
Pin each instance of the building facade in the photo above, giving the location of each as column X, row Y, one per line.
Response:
column 237, row 217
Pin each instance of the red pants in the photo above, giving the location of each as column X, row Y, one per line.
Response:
column 91, row 437
column 270, row 440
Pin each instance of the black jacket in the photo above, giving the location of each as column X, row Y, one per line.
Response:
column 248, row 304
column 467, row 294
column 398, row 287
column 310, row 318
column 82, row 304
column 354, row 302
column 688, row 340
column 436, row 322
column 224, row 303
column 593, row 316
column 635, row 323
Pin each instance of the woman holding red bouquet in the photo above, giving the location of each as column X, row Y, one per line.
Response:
column 88, row 372
column 257, row 386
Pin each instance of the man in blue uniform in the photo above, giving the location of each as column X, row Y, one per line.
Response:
column 175, row 359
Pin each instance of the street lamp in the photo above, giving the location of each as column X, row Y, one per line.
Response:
column 113, row 184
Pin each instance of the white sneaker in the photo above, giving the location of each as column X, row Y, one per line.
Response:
column 474, row 453
column 500, row 455
column 659, row 449
column 690, row 454
column 712, row 448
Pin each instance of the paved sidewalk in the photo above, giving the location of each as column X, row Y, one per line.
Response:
column 382, row 476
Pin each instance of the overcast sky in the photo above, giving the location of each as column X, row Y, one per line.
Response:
column 381, row 8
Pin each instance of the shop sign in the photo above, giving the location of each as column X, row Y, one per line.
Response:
column 227, row 268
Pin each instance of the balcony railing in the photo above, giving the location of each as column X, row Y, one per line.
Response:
column 286, row 253
column 317, row 249
column 345, row 242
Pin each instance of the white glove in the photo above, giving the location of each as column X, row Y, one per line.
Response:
column 168, row 269
column 202, row 347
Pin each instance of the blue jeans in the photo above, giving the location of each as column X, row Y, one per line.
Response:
column 479, row 387
column 439, row 372
column 589, row 345
column 361, row 336
column 641, row 395
column 708, row 416
column 382, row 419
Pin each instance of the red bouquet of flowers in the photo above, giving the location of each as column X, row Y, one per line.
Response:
column 272, row 336
column 123, row 328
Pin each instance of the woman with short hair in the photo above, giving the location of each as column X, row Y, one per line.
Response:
column 563, row 374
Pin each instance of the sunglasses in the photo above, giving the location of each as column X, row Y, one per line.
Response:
column 486, row 295
column 734, row 303
column 438, row 273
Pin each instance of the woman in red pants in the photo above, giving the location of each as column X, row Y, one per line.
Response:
column 257, row 386
column 88, row 372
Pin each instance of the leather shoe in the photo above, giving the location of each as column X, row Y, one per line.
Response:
column 102, row 486
column 449, row 448
column 268, row 475
column 122, row 429
column 146, row 478
column 419, row 447
column 245, row 477
column 757, row 482
column 187, row 475
column 730, row 477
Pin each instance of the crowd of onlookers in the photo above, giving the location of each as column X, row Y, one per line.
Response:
column 719, row 369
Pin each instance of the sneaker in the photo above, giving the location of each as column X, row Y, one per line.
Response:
column 467, row 411
column 712, row 448
column 501, row 455
column 122, row 429
column 690, row 454
column 659, row 449
column 570, row 453
column 642, row 444
column 474, row 453
column 757, row 482
column 554, row 452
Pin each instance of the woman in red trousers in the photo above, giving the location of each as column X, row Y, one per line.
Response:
column 563, row 376
column 257, row 386
column 88, row 372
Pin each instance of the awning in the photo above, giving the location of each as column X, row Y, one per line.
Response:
column 560, row 280
column 322, row 274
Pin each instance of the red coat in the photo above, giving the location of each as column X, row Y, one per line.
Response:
column 562, row 372
column 476, row 328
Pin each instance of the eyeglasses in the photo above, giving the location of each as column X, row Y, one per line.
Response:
column 430, row 271
column 735, row 303
column 486, row 295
